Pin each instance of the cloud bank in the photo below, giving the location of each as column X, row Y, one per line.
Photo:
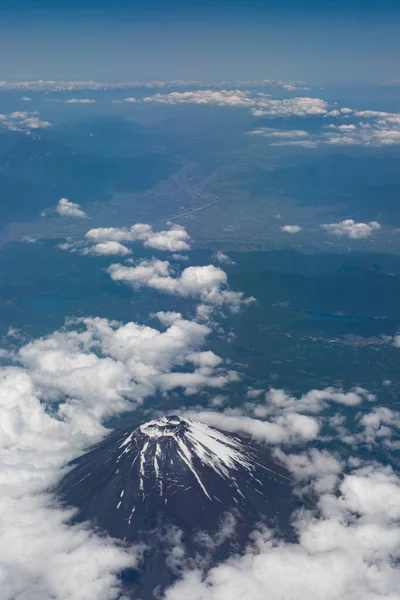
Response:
column 53, row 401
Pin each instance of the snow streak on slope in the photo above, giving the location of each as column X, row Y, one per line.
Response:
column 175, row 474
column 194, row 444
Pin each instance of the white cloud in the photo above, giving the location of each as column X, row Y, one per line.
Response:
column 280, row 133
column 182, row 257
column 289, row 428
column 108, row 249
column 222, row 258
column 315, row 401
column 52, row 405
column 60, row 86
column 23, row 121
column 260, row 104
column 130, row 100
column 346, row 550
column 384, row 130
column 381, row 426
column 174, row 239
column 300, row 107
column 208, row 283
column 68, row 86
column 106, row 366
column 65, row 208
column 219, row 98
column 26, row 99
column 351, row 229
column 80, row 101
column 291, row 228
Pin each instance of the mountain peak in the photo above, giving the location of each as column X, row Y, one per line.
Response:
column 180, row 446
column 175, row 473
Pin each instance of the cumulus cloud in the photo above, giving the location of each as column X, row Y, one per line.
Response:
column 347, row 544
column 52, row 405
column 291, row 228
column 23, row 121
column 282, row 418
column 65, row 208
column 109, row 366
column 351, row 229
column 207, row 283
column 26, row 99
column 260, row 104
column 108, row 249
column 174, row 239
column 347, row 550
column 219, row 98
column 378, row 129
column 300, row 107
column 381, row 426
column 287, row 428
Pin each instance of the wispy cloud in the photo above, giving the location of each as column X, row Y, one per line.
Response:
column 291, row 228
column 80, row 101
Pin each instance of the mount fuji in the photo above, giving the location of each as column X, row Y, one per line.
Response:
column 192, row 494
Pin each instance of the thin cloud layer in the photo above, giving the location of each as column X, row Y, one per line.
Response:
column 351, row 229
column 80, row 101
column 65, row 208
column 222, row 258
column 67, row 86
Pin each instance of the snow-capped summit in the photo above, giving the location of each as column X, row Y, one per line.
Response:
column 177, row 474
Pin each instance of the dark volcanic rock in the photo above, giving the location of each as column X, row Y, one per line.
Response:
column 190, row 492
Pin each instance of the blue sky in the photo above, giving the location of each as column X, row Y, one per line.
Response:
column 155, row 39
